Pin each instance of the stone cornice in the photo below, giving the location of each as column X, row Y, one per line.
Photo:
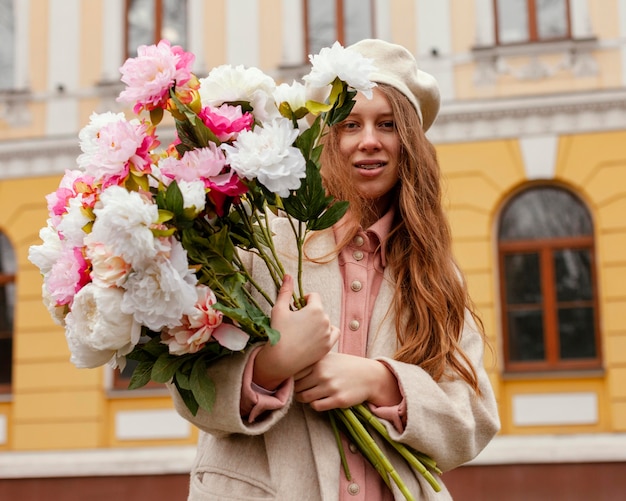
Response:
column 481, row 120
column 458, row 121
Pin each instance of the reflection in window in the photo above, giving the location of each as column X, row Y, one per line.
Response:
column 7, row 307
column 7, row 45
column 522, row 21
column 149, row 21
column 548, row 286
column 346, row 21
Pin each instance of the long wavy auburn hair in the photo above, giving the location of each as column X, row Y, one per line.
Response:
column 430, row 295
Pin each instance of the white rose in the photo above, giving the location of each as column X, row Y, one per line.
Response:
column 96, row 329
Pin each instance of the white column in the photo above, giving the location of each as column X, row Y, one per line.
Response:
column 21, row 11
column 195, row 43
column 63, row 66
column 242, row 32
column 581, row 22
column 434, row 43
column 485, row 23
column 293, row 33
column 113, row 50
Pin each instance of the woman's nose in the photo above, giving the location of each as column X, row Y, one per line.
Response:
column 369, row 139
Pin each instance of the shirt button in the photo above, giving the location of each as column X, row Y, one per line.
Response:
column 353, row 448
column 353, row 489
column 356, row 286
column 358, row 241
column 358, row 255
column 354, row 325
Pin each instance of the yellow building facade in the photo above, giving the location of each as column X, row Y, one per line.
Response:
column 514, row 116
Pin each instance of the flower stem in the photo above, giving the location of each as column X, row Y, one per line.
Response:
column 342, row 452
column 411, row 458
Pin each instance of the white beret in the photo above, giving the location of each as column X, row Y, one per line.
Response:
column 397, row 67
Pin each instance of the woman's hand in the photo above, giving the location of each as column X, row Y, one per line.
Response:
column 341, row 381
column 306, row 336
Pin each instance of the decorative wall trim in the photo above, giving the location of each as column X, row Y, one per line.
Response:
column 573, row 113
column 506, row 449
column 458, row 121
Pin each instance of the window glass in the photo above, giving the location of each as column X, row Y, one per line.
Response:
column 322, row 20
column 7, row 307
column 512, row 21
column 551, row 19
column 357, row 20
column 141, row 24
column 7, row 45
column 174, row 26
column 549, row 298
column 545, row 212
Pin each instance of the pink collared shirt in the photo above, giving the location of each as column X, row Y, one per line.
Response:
column 362, row 265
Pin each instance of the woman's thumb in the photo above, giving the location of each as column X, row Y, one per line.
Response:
column 285, row 292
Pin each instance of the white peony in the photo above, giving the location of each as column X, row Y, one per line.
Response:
column 96, row 329
column 194, row 195
column 45, row 255
column 350, row 66
column 267, row 154
column 294, row 94
column 159, row 294
column 227, row 84
column 72, row 223
column 123, row 222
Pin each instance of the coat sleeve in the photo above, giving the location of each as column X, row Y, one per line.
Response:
column 226, row 417
column 447, row 420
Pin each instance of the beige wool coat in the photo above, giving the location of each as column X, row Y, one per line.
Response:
column 291, row 454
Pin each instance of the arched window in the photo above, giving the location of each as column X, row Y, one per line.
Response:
column 346, row 21
column 525, row 21
column 148, row 21
column 7, row 45
column 7, row 307
column 548, row 284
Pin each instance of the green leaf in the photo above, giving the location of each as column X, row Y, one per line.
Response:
column 174, row 198
column 188, row 398
column 316, row 107
column 156, row 115
column 330, row 216
column 165, row 367
column 202, row 387
column 140, row 376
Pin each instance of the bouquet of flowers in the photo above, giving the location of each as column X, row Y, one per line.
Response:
column 141, row 253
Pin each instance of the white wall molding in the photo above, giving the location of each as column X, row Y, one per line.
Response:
column 478, row 120
column 505, row 449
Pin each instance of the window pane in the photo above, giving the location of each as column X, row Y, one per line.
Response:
column 545, row 212
column 573, row 275
column 577, row 333
column 7, row 44
column 551, row 19
column 322, row 27
column 512, row 21
column 357, row 17
column 174, row 26
column 526, row 336
column 523, row 279
column 141, row 25
column 6, row 360
column 7, row 290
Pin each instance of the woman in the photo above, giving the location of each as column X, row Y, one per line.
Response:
column 388, row 322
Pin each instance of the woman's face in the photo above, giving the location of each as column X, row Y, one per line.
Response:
column 370, row 146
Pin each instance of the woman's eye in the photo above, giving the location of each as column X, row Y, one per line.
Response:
column 388, row 124
column 350, row 125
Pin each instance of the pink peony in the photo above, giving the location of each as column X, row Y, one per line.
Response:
column 226, row 121
column 151, row 74
column 68, row 275
column 120, row 147
column 203, row 163
column 198, row 329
